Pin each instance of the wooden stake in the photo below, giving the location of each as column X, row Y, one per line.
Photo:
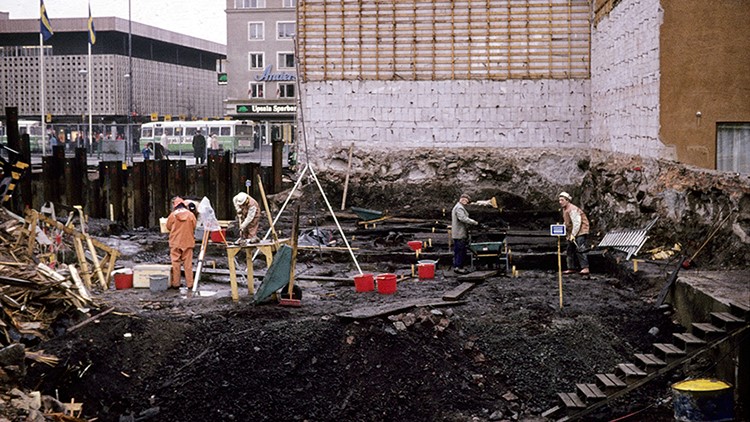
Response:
column 346, row 180
column 268, row 212
column 559, row 272
column 295, row 231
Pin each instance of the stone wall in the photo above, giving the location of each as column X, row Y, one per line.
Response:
column 447, row 114
column 625, row 80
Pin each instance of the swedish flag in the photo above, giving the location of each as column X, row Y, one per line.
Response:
column 44, row 24
column 92, row 31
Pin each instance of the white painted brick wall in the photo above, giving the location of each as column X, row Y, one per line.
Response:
column 625, row 80
column 419, row 114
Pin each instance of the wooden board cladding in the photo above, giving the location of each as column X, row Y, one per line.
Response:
column 443, row 40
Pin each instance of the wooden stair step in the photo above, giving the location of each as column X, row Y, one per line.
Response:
column 571, row 400
column 740, row 310
column 631, row 372
column 726, row 320
column 649, row 362
column 590, row 392
column 706, row 331
column 687, row 341
column 610, row 382
column 668, row 352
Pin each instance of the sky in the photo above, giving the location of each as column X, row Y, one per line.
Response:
column 203, row 19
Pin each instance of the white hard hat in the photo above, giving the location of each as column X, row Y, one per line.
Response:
column 240, row 199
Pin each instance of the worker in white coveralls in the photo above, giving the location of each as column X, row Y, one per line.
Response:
column 248, row 217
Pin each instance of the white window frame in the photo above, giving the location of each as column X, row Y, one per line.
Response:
column 250, row 55
column 278, row 29
column 282, row 90
column 280, row 64
column 262, row 26
column 249, row 4
column 733, row 147
column 289, row 3
column 252, row 90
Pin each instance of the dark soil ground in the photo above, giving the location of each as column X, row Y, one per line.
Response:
column 501, row 353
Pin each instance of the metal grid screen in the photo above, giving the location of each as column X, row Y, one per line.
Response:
column 443, row 40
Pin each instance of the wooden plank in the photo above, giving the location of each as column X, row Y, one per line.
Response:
column 81, row 256
column 725, row 320
column 706, row 331
column 458, row 291
column 374, row 311
column 477, row 276
column 688, row 341
column 89, row 320
column 571, row 400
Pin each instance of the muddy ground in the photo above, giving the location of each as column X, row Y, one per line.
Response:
column 501, row 353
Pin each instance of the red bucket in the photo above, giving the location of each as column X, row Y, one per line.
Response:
column 426, row 270
column 123, row 281
column 364, row 283
column 386, row 283
column 415, row 245
column 219, row 236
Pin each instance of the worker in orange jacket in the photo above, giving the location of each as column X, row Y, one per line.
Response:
column 181, row 225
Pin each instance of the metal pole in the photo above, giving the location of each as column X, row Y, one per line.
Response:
column 90, row 95
column 129, row 146
column 42, row 122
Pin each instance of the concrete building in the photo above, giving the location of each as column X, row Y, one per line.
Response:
column 261, row 68
column 172, row 74
column 659, row 78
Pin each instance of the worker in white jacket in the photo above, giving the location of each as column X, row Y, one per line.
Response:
column 248, row 216
column 577, row 228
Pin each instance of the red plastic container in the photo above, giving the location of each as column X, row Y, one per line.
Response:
column 218, row 236
column 415, row 245
column 123, row 281
column 386, row 283
column 364, row 283
column 426, row 271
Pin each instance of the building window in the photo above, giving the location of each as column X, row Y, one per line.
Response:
column 286, row 61
column 255, row 31
column 257, row 90
column 289, row 3
column 249, row 4
column 255, row 61
column 733, row 147
column 286, row 91
column 285, row 30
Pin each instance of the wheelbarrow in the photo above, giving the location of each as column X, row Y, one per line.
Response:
column 493, row 254
column 369, row 216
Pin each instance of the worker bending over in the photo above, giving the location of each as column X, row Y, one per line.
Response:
column 248, row 217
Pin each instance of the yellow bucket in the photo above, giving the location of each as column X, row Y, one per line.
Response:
column 703, row 400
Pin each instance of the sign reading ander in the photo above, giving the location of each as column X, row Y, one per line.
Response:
column 267, row 76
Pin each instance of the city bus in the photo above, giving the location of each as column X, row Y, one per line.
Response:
column 233, row 135
column 32, row 127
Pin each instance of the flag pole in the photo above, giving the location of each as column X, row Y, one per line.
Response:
column 91, row 87
column 43, row 141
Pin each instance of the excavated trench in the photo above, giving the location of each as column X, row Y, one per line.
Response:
column 501, row 352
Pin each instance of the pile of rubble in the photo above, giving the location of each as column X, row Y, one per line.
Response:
column 37, row 303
